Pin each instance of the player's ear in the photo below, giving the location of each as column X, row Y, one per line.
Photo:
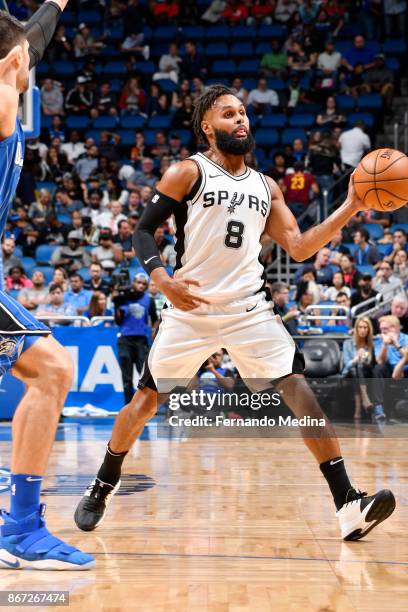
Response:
column 205, row 126
column 14, row 58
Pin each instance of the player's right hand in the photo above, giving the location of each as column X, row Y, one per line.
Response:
column 177, row 291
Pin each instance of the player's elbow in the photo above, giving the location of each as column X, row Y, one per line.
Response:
column 297, row 253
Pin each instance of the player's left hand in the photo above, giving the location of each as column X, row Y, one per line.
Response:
column 352, row 198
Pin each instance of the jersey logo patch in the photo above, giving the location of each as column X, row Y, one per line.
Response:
column 235, row 202
column 8, row 347
column 19, row 160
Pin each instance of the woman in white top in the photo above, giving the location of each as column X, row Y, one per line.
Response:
column 338, row 285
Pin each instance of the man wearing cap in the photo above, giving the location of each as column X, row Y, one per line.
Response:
column 71, row 256
column 380, row 79
column 135, row 311
column 79, row 99
column 84, row 43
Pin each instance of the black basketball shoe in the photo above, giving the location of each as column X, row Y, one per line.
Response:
column 91, row 509
column 361, row 513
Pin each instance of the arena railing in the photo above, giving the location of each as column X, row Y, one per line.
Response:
column 398, row 132
column 84, row 321
column 316, row 308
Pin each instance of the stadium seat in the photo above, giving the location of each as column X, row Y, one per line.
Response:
column 50, row 185
column 263, row 47
column 43, row 254
column 105, row 122
column 95, row 134
column 242, row 49
column 392, row 63
column 248, row 66
column 268, row 32
column 28, row 264
column 18, row 251
column 345, row 102
column 249, row 83
column 277, row 120
column 289, row 135
column 403, row 226
column 266, row 137
column 217, row 49
column 366, row 270
column 243, row 32
column 366, row 117
column 395, row 47
column 64, row 68
column 77, row 123
column 145, row 67
column 48, row 272
column 161, row 122
column 167, row 33
column 375, row 230
column 185, row 136
column 90, row 17
column 115, row 69
column 322, row 357
column 64, row 218
column 218, row 32
column 224, row 67
column 370, row 102
column 276, row 84
column 193, row 32
column 127, row 138
column 384, row 249
column 166, row 85
column 85, row 273
column 42, row 69
column 135, row 122
column 301, row 121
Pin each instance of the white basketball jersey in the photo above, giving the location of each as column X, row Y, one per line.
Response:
column 218, row 232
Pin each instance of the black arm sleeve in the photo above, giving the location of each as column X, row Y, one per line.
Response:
column 152, row 311
column 40, row 29
column 158, row 210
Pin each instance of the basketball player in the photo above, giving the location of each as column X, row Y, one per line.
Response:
column 217, row 298
column 26, row 346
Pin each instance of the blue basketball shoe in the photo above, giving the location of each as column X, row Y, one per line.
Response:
column 27, row 544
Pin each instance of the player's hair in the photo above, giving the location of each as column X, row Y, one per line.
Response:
column 11, row 33
column 203, row 104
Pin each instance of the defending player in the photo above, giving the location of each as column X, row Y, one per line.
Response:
column 221, row 208
column 26, row 346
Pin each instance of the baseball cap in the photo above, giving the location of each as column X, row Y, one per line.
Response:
column 82, row 26
column 105, row 232
column 140, row 276
column 367, row 276
column 81, row 80
column 75, row 235
column 379, row 56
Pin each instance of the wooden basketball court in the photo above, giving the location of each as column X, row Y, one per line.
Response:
column 225, row 525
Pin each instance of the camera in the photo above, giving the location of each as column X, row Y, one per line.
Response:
column 121, row 281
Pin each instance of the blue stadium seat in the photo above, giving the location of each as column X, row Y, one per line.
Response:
column 115, row 32
column 167, row 32
column 18, row 251
column 263, row 47
column 350, row 246
column 375, row 230
column 145, row 67
column 372, row 101
column 395, row 47
column 95, row 134
column 276, row 84
column 85, row 273
column 28, row 264
column 48, row 272
column 217, row 49
column 384, row 249
column 366, row 117
column 224, row 67
column 77, row 123
column 64, row 68
column 266, row 137
column 242, row 49
column 43, row 253
column 243, row 32
column 248, row 66
column 161, row 122
column 289, row 135
column 366, row 270
column 392, row 63
column 185, row 136
column 308, row 109
column 105, row 122
column 67, row 17
column 46, row 121
column 193, row 32
column 166, row 85
column 64, row 218
column 127, row 138
column 301, row 121
column 373, row 46
column 42, row 69
column 260, row 156
column 116, row 85
column 89, row 17
column 345, row 102
column 226, row 82
column 218, row 32
column 114, row 69
column 343, row 46
column 249, row 83
column 50, row 185
column 133, row 122
column 396, row 226
column 150, row 137
column 277, row 120
column 268, row 32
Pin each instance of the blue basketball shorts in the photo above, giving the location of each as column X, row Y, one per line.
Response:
column 18, row 331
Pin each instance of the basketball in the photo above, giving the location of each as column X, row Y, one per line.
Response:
column 381, row 180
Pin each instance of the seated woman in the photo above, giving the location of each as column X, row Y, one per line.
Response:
column 358, row 363
column 330, row 117
column 97, row 308
column 338, row 287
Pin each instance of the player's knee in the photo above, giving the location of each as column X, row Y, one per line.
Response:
column 59, row 373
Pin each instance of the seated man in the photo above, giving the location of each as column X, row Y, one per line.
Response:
column 321, row 266
column 280, row 298
column 386, row 283
column 388, row 350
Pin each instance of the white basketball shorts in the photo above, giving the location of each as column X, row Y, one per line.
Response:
column 255, row 338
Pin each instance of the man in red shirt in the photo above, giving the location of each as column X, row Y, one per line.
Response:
column 297, row 189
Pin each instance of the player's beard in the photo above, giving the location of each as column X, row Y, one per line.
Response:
column 230, row 144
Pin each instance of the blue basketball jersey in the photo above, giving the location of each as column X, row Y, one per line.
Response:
column 11, row 162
